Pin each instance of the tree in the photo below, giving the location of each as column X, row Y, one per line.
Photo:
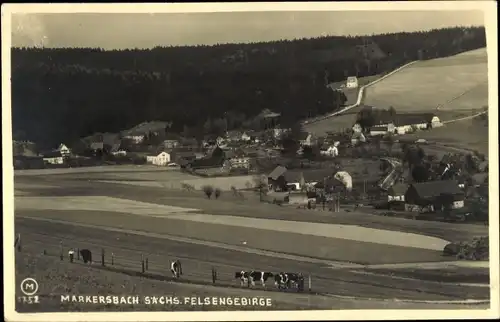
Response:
column 208, row 190
column 308, row 153
column 420, row 173
column 217, row 193
column 392, row 111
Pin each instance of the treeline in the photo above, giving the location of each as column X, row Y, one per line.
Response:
column 64, row 94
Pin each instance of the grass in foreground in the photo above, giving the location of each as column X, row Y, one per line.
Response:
column 56, row 278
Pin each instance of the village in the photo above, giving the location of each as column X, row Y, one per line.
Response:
column 370, row 166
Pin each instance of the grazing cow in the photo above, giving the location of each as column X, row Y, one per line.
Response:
column 176, row 268
column 287, row 280
column 243, row 276
column 260, row 276
column 86, row 256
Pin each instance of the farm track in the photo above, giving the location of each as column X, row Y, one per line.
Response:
column 197, row 265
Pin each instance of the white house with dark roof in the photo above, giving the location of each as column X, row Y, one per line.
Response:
column 161, row 159
column 352, row 82
column 64, row 150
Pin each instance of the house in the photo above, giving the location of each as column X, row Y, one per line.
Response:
column 53, row 157
column 135, row 137
column 434, row 195
column 276, row 179
column 332, row 151
column 305, row 139
column 162, row 159
column 65, row 151
column 397, row 192
column 170, row 144
column 97, row 147
column 352, row 82
column 245, row 137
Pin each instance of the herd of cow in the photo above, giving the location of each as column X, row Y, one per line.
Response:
column 281, row 280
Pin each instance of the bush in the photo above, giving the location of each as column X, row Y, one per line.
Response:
column 477, row 249
column 217, row 193
column 208, row 190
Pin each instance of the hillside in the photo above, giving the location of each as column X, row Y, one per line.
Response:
column 67, row 93
column 451, row 83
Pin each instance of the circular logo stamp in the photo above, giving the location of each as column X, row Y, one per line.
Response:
column 29, row 286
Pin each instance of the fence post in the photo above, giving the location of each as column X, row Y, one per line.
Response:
column 214, row 275
column 102, row 257
column 61, row 255
column 112, row 258
column 310, row 282
column 147, row 263
column 17, row 243
column 142, row 263
column 78, row 253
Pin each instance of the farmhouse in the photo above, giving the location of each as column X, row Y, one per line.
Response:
column 53, row 157
column 332, row 151
column 170, row 144
column 161, row 159
column 276, row 179
column 397, row 192
column 357, row 137
column 65, row 151
column 352, row 82
column 434, row 195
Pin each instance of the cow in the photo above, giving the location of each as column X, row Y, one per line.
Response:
column 260, row 276
column 243, row 277
column 176, row 268
column 287, row 280
column 86, row 256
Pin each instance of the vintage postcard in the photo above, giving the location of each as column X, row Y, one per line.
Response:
column 250, row 161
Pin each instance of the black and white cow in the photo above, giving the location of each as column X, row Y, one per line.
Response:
column 176, row 268
column 259, row 276
column 243, row 277
column 287, row 280
column 86, row 256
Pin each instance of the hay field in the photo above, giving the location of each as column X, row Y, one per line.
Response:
column 333, row 124
column 456, row 82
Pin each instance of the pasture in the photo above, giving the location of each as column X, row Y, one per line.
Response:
column 450, row 83
column 469, row 135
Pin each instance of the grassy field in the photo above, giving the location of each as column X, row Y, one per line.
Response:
column 123, row 276
column 470, row 135
column 451, row 83
column 57, row 278
column 448, row 275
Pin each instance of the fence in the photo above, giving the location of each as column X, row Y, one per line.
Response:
column 137, row 263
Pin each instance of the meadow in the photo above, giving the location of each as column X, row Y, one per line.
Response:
column 456, row 82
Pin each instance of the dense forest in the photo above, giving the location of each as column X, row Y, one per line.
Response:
column 63, row 94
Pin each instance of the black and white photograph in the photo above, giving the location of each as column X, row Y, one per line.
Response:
column 259, row 161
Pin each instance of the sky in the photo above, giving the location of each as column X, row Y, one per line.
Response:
column 145, row 30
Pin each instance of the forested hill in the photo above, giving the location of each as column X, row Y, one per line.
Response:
column 60, row 95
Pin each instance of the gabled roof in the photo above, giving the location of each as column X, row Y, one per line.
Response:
column 433, row 189
column 316, row 175
column 277, row 172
